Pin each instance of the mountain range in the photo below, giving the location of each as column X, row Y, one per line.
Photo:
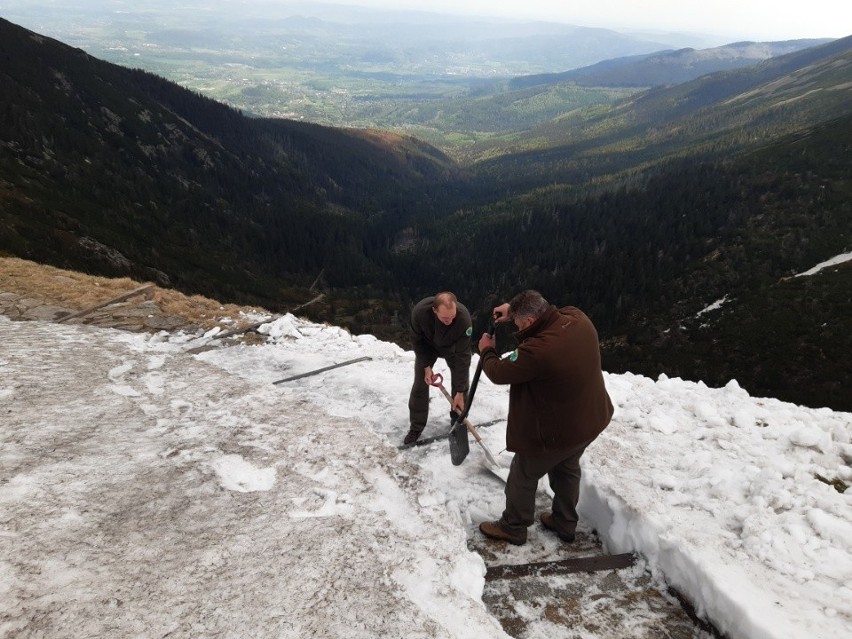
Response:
column 668, row 67
column 642, row 211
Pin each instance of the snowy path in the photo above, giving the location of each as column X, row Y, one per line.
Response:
column 136, row 499
column 148, row 492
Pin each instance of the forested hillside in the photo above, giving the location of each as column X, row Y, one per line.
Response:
column 643, row 260
column 118, row 172
column 719, row 188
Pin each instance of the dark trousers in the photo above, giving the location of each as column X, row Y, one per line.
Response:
column 418, row 400
column 563, row 471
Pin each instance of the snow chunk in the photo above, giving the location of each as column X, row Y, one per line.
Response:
column 283, row 327
column 235, row 473
column 837, row 531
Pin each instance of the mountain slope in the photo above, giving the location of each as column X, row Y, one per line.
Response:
column 117, row 171
column 714, row 115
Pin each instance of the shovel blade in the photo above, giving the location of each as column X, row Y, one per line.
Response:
column 459, row 444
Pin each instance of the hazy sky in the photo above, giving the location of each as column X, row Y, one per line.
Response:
column 742, row 19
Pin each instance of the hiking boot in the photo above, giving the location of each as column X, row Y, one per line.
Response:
column 547, row 522
column 494, row 530
column 413, row 436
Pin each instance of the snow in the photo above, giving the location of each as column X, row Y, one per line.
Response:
column 834, row 261
column 712, row 307
column 149, row 489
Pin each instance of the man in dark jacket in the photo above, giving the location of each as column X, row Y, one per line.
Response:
column 440, row 327
column 558, row 405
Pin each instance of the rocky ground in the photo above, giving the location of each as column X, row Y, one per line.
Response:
column 30, row 291
column 138, row 314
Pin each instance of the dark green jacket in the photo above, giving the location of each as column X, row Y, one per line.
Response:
column 431, row 339
column 557, row 397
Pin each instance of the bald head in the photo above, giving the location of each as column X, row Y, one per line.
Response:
column 445, row 298
column 444, row 307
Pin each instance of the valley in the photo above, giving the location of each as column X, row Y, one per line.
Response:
column 394, row 175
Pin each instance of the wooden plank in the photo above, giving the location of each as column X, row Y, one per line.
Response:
column 561, row 566
column 316, row 281
column 115, row 300
column 243, row 329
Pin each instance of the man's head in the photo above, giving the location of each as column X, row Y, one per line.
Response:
column 444, row 307
column 527, row 307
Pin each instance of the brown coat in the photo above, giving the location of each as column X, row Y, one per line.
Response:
column 557, row 398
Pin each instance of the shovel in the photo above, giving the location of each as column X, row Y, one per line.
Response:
column 438, row 382
column 459, row 446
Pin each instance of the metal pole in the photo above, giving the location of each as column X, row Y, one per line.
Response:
column 322, row 370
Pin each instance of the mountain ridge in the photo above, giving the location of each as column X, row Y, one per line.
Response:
column 702, row 116
column 668, row 67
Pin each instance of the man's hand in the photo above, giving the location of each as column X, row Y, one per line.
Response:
column 458, row 402
column 502, row 313
column 487, row 341
column 427, row 374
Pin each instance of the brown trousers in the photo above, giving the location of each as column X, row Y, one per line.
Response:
column 563, row 471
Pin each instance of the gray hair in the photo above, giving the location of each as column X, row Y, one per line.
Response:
column 528, row 304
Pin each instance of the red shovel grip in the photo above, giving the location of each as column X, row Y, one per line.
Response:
column 437, row 380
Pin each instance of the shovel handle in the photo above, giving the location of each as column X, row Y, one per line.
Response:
column 438, row 382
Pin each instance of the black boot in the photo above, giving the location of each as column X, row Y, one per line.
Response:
column 413, row 436
column 547, row 522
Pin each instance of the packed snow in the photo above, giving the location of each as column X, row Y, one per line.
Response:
column 151, row 488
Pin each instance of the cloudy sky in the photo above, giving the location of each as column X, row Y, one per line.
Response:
column 748, row 19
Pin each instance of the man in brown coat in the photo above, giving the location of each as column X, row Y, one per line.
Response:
column 558, row 405
column 440, row 327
